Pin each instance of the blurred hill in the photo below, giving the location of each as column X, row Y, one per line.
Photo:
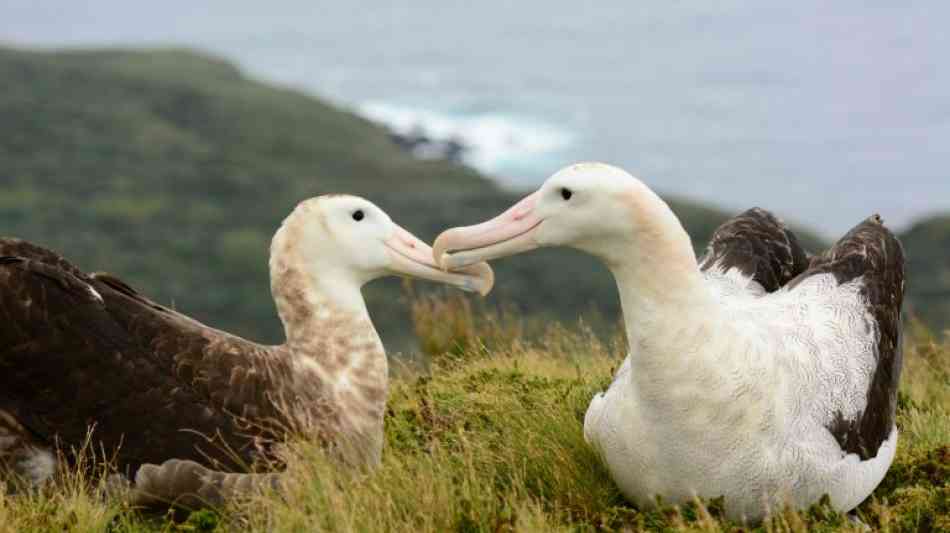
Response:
column 172, row 170
column 928, row 263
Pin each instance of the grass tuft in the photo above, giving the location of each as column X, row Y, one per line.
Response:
column 490, row 439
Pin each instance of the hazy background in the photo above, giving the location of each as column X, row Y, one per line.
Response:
column 823, row 111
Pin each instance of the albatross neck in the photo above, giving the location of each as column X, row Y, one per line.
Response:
column 324, row 315
column 312, row 307
column 662, row 293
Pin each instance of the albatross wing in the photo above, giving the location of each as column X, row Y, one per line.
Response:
column 871, row 256
column 759, row 247
column 79, row 350
column 830, row 324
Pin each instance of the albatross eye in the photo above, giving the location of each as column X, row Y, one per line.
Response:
column 358, row 215
column 566, row 193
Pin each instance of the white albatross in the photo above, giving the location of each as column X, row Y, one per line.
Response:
column 757, row 374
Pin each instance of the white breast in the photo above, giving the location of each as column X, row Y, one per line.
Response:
column 740, row 408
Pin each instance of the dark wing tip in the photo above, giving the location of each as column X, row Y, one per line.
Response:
column 11, row 246
column 55, row 276
column 760, row 246
column 872, row 252
column 763, row 213
column 11, row 259
column 115, row 283
column 123, row 288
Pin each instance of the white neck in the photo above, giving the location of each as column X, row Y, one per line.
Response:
column 658, row 301
column 662, row 292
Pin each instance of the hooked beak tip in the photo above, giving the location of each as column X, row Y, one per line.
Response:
column 440, row 248
column 487, row 276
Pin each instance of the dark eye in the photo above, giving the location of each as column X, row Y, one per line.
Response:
column 566, row 193
column 358, row 215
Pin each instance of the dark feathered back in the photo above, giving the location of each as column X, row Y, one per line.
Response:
column 758, row 245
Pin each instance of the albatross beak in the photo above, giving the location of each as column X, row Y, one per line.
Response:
column 411, row 257
column 507, row 234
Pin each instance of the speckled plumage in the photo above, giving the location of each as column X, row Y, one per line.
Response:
column 84, row 350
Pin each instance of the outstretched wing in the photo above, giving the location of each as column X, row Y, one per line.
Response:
column 757, row 247
column 869, row 259
column 79, row 351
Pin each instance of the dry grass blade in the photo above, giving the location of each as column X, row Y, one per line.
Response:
column 491, row 440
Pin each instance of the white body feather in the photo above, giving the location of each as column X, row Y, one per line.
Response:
column 733, row 399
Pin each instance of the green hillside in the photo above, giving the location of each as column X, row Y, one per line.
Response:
column 928, row 262
column 172, row 169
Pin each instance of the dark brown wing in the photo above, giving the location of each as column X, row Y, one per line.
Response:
column 10, row 246
column 54, row 333
column 77, row 350
column 227, row 372
column 873, row 253
column 760, row 246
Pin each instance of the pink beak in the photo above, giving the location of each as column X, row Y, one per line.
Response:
column 509, row 233
column 409, row 256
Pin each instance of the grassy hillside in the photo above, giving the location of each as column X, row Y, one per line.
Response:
column 928, row 262
column 490, row 439
column 172, row 170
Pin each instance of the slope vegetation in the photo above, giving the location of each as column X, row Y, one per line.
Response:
column 172, row 169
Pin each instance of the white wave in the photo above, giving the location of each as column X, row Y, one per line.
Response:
column 492, row 139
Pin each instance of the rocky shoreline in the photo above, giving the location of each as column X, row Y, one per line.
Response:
column 423, row 146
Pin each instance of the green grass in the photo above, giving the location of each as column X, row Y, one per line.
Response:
column 487, row 436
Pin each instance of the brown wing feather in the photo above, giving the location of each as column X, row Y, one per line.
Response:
column 10, row 246
column 77, row 350
column 46, row 369
column 226, row 371
column 760, row 246
column 873, row 253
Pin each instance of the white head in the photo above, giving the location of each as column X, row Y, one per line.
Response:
column 350, row 240
column 594, row 207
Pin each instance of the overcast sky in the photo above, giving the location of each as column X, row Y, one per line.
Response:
column 823, row 111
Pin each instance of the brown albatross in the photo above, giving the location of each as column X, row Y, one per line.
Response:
column 84, row 350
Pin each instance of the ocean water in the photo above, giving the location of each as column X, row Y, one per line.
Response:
column 825, row 112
